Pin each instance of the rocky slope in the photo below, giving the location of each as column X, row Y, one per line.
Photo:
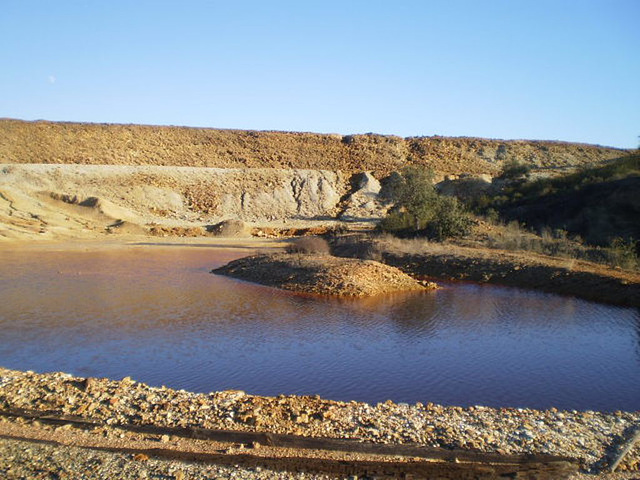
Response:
column 102, row 144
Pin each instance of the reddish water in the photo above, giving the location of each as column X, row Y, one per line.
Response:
column 157, row 314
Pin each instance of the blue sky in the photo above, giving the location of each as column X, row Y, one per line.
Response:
column 559, row 70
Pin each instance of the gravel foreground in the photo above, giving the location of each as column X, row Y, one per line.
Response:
column 25, row 460
column 590, row 437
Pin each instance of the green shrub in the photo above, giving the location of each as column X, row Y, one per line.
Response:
column 624, row 253
column 616, row 170
column 450, row 220
column 492, row 215
column 419, row 210
column 397, row 221
column 514, row 169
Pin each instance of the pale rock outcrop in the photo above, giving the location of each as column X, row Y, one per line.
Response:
column 364, row 203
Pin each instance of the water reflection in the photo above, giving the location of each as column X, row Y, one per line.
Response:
column 158, row 315
column 637, row 330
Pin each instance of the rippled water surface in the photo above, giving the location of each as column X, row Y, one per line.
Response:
column 157, row 314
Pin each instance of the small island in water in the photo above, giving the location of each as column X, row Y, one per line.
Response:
column 322, row 274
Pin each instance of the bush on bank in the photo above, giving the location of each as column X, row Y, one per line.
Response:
column 418, row 208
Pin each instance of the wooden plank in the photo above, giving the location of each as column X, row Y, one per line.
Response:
column 628, row 445
column 367, row 468
column 297, row 441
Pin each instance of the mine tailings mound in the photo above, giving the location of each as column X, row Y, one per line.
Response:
column 104, row 144
column 322, row 274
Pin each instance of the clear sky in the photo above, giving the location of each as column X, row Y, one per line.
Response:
column 536, row 69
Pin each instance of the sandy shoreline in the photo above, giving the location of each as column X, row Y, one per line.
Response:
column 130, row 241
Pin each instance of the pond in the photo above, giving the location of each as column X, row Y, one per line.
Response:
column 155, row 313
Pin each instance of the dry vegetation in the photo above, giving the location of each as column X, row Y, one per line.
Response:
column 450, row 261
column 557, row 243
column 309, row 245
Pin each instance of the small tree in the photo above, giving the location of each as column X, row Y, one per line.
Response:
column 419, row 209
column 451, row 219
column 413, row 195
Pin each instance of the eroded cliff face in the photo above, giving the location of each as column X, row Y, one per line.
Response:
column 50, row 199
column 262, row 194
column 101, row 144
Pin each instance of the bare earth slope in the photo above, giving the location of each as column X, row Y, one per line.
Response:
column 107, row 144
column 63, row 201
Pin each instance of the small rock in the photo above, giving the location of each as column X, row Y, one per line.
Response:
column 88, row 384
column 304, row 418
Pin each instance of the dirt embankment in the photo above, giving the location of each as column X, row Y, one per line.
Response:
column 103, row 144
column 322, row 274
